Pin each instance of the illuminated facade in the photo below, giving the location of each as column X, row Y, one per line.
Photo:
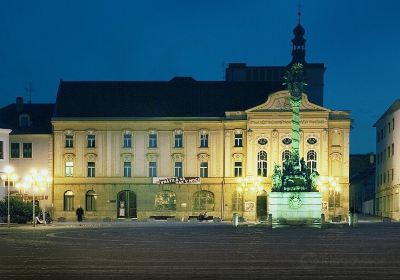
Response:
column 113, row 165
column 387, row 163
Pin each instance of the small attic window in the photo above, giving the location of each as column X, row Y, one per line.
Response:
column 24, row 120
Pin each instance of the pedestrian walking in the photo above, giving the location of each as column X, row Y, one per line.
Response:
column 79, row 214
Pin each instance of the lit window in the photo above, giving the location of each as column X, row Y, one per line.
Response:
column 178, row 140
column 204, row 140
column 15, row 150
column 238, row 140
column 69, row 141
column 203, row 200
column 27, row 150
column 262, row 164
column 69, row 201
column 152, row 140
column 91, row 201
column 204, row 169
column 238, row 169
column 127, row 140
column 286, row 155
column 91, row 169
column 127, row 169
column 165, row 200
column 237, row 201
column 152, row 169
column 178, row 169
column 91, row 141
column 312, row 160
column 69, row 169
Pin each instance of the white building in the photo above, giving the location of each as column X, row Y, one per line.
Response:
column 4, row 155
column 387, row 163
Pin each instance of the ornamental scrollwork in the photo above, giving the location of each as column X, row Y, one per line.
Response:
column 203, row 157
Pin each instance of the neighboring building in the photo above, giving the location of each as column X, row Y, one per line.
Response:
column 4, row 153
column 119, row 151
column 314, row 72
column 387, row 162
column 30, row 142
column 362, row 183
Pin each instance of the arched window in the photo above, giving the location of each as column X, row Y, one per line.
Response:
column 286, row 155
column 91, row 200
column 262, row 164
column 237, row 201
column 69, row 201
column 312, row 160
column 203, row 200
column 165, row 200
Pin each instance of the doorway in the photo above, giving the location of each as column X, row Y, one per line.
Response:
column 262, row 208
column 126, row 205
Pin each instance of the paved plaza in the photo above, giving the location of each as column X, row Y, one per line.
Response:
column 161, row 250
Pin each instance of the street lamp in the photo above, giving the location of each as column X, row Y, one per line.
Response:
column 245, row 184
column 8, row 177
column 37, row 181
column 331, row 184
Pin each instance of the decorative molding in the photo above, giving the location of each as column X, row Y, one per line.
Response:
column 178, row 131
column 203, row 131
column 152, row 131
column 69, row 156
column 127, row 156
column 275, row 134
column 126, row 131
column 69, row 132
column 178, row 156
column 152, row 156
column 289, row 122
column 90, row 131
column 336, row 156
column 238, row 156
column 238, row 131
column 91, row 156
column 203, row 157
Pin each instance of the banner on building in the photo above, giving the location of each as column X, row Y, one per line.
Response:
column 176, row 180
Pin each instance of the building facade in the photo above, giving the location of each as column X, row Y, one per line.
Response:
column 387, row 163
column 118, row 161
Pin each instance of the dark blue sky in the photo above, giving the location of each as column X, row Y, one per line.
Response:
column 358, row 40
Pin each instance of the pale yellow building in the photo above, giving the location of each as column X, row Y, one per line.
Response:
column 115, row 147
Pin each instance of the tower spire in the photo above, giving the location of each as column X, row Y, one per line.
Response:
column 298, row 42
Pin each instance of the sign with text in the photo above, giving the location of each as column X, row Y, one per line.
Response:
column 176, row 180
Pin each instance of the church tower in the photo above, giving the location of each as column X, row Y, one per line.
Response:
column 298, row 44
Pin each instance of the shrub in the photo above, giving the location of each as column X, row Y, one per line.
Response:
column 20, row 211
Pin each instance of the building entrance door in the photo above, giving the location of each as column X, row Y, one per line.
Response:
column 262, row 209
column 126, row 204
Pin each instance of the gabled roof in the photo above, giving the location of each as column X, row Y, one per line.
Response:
column 280, row 101
column 180, row 97
column 39, row 114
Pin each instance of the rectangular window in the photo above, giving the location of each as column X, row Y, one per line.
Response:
column 152, row 169
column 1, row 150
column 204, row 169
column 238, row 169
column 127, row 169
column 91, row 141
column 392, row 174
column 392, row 149
column 178, row 140
column 69, row 141
column 69, row 169
column 178, row 169
column 204, row 140
column 152, row 140
column 127, row 140
column 381, row 134
column 239, row 140
column 27, row 150
column 15, row 151
column 392, row 124
column 389, row 128
column 91, row 169
column 388, row 151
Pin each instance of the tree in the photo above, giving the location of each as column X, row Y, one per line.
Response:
column 20, row 211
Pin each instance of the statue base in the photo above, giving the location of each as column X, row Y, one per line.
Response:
column 295, row 208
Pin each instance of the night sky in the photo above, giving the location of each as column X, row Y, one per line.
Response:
column 45, row 41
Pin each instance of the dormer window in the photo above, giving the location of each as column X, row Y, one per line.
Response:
column 24, row 120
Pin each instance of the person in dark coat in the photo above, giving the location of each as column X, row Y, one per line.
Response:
column 79, row 214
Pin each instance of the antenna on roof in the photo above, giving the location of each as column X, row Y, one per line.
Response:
column 29, row 89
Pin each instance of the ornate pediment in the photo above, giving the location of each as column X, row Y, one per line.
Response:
column 127, row 156
column 91, row 156
column 203, row 157
column 177, row 156
column 280, row 101
column 152, row 156
column 69, row 156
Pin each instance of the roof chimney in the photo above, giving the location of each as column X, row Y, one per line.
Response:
column 19, row 103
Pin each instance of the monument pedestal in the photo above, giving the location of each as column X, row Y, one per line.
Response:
column 295, row 207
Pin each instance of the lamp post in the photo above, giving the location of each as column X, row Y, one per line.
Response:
column 248, row 183
column 6, row 177
column 333, row 188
